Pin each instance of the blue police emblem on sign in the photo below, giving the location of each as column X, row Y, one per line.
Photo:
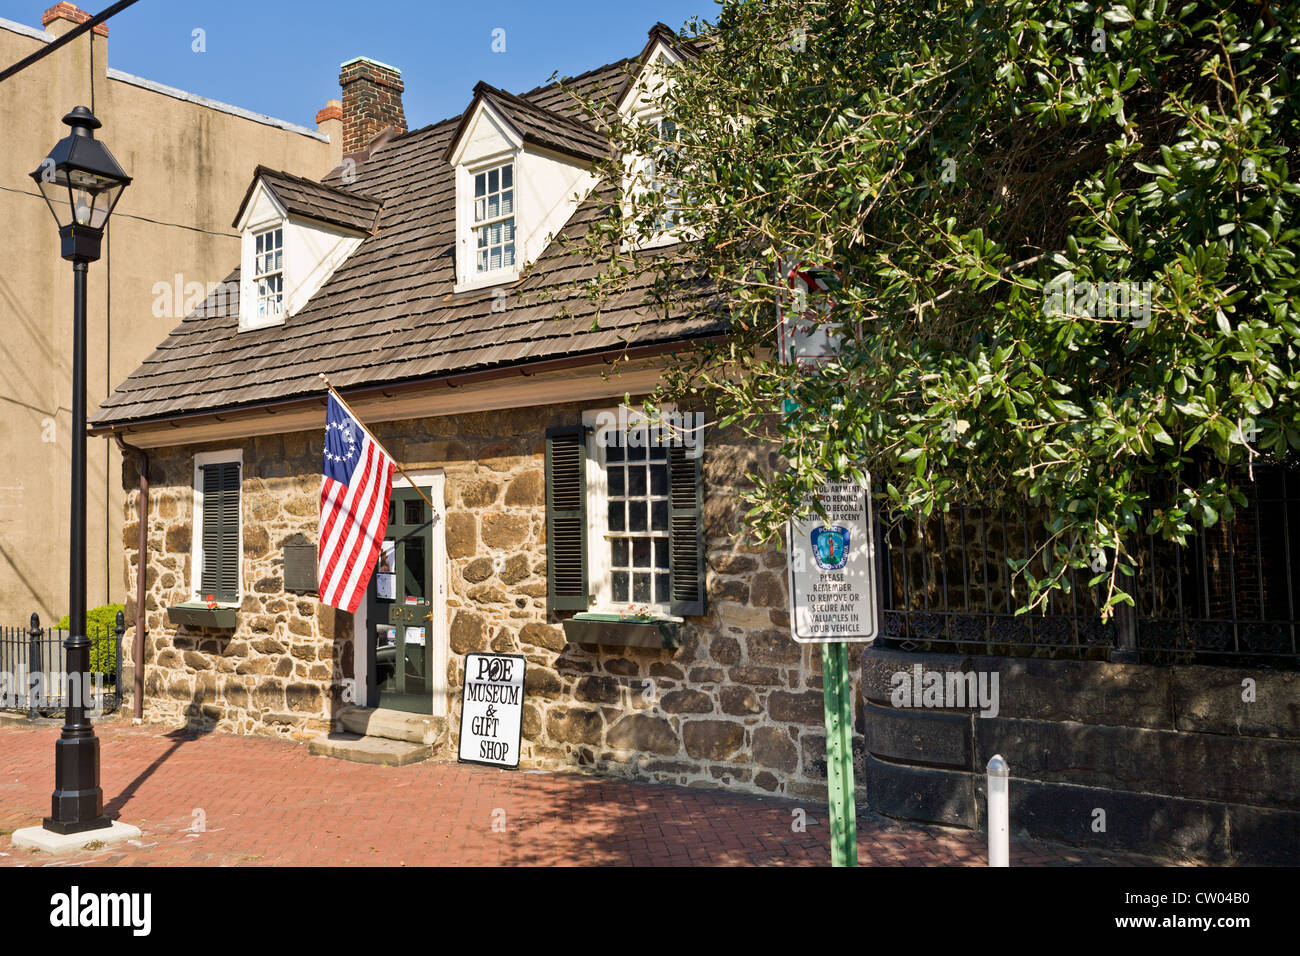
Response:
column 830, row 547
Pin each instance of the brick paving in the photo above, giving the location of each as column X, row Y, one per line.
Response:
column 258, row 801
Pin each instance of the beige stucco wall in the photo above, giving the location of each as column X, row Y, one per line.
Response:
column 191, row 163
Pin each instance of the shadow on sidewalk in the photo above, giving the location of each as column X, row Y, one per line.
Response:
column 195, row 729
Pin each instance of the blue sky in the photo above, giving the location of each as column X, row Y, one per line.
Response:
column 283, row 58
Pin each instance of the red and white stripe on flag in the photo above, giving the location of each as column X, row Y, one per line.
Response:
column 356, row 484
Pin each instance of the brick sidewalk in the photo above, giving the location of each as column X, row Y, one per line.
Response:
column 264, row 801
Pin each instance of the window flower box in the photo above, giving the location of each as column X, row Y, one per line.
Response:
column 622, row 631
column 200, row 614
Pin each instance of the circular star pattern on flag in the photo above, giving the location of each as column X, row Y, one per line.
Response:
column 348, row 435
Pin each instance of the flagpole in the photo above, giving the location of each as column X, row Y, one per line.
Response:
column 357, row 418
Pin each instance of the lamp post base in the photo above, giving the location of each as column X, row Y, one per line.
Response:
column 39, row 838
column 77, row 826
column 76, row 759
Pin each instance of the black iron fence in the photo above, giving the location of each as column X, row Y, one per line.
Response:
column 34, row 674
column 1229, row 597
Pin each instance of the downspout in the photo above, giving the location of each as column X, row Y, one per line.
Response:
column 142, row 547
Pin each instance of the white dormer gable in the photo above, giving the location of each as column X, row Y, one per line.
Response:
column 643, row 95
column 486, row 136
column 284, row 258
column 513, row 195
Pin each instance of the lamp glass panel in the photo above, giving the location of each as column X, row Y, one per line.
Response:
column 56, row 197
column 93, row 197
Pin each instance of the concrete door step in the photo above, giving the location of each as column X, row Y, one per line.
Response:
column 392, row 725
column 361, row 749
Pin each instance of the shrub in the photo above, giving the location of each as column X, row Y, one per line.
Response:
column 100, row 622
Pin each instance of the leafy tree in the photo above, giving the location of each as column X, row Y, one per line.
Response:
column 1064, row 237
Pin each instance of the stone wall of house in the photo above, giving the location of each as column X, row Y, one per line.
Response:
column 738, row 704
column 274, row 673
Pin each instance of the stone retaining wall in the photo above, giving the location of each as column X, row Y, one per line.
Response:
column 1194, row 761
column 738, row 704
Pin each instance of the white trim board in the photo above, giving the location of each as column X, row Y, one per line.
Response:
column 155, row 87
column 439, row 642
column 542, row 388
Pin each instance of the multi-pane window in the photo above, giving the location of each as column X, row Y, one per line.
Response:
column 667, row 133
column 649, row 180
column 638, row 499
column 268, row 272
column 494, row 218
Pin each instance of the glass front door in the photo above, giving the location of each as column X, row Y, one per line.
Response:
column 400, row 666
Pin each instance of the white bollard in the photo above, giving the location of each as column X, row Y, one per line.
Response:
column 999, row 811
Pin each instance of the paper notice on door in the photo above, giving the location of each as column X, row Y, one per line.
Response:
column 385, row 578
column 414, row 635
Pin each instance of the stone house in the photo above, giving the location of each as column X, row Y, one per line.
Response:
column 424, row 279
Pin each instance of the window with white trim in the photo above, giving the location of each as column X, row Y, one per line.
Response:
column 268, row 273
column 643, row 181
column 624, row 514
column 494, row 219
column 666, row 133
column 217, row 536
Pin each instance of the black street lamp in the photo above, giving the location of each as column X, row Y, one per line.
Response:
column 81, row 182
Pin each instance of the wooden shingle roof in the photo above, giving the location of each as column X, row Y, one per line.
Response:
column 305, row 197
column 535, row 125
column 388, row 314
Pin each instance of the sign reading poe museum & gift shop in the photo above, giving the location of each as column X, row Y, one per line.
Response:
column 833, row 569
column 491, row 709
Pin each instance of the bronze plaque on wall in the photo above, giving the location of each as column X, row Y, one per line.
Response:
column 300, row 565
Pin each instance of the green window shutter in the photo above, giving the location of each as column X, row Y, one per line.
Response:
column 686, row 529
column 221, row 546
column 566, row 519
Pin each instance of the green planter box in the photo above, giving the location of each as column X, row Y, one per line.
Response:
column 610, row 629
column 197, row 614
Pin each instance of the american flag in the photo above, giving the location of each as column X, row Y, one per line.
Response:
column 357, row 483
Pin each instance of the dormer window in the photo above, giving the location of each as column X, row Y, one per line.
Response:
column 268, row 273
column 521, row 172
column 494, row 219
column 294, row 233
column 642, row 103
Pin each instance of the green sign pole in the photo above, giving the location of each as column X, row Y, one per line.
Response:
column 839, row 753
column 838, row 706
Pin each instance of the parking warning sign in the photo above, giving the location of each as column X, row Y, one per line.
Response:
column 832, row 568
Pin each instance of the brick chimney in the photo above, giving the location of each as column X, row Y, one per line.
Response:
column 330, row 122
column 64, row 11
column 372, row 101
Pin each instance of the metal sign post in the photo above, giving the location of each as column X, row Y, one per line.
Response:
column 839, row 753
column 832, row 576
